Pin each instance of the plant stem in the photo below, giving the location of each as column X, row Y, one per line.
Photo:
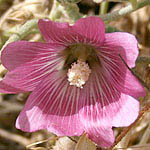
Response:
column 122, row 12
column 23, row 31
column 103, row 8
column 72, row 10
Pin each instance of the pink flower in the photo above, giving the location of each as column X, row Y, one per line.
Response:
column 79, row 82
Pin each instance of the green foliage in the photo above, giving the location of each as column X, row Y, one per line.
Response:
column 134, row 3
column 110, row 29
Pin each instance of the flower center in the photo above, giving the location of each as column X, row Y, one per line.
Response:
column 79, row 73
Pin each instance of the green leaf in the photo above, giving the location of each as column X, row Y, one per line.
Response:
column 134, row 3
column 110, row 29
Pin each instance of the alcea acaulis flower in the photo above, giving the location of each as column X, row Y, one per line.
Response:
column 78, row 79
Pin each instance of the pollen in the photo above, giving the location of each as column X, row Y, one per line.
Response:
column 79, row 73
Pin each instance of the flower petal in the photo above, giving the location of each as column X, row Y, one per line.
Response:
column 97, row 97
column 96, row 128
column 128, row 112
column 8, row 88
column 55, row 31
column 22, row 52
column 102, row 135
column 127, row 43
column 104, row 107
column 92, row 29
column 117, row 72
column 132, row 86
column 88, row 30
column 28, row 63
column 54, row 106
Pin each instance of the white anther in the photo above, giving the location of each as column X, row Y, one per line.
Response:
column 78, row 74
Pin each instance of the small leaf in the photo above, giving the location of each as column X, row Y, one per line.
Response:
column 85, row 144
column 110, row 29
column 134, row 3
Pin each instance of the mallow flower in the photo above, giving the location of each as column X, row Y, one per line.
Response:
column 78, row 80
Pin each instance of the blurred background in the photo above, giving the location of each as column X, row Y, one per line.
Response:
column 14, row 14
